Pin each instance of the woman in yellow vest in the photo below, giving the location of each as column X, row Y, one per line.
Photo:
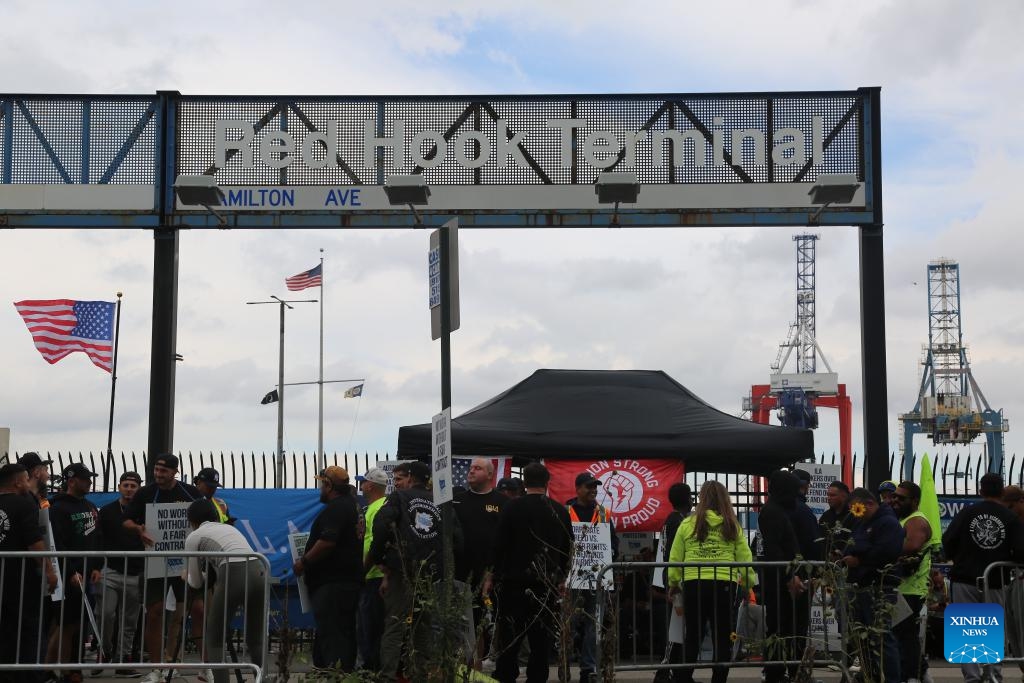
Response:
column 711, row 534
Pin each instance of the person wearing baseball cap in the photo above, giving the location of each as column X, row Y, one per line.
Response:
column 374, row 486
column 585, row 508
column 121, row 588
column 165, row 489
column 333, row 570
column 75, row 523
column 38, row 476
column 207, row 480
column 407, row 547
column 510, row 487
column 885, row 491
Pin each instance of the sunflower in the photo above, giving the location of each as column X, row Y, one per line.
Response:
column 734, row 636
column 858, row 509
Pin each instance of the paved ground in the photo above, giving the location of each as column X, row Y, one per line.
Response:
column 941, row 673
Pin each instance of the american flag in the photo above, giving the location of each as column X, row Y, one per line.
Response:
column 63, row 326
column 460, row 470
column 310, row 278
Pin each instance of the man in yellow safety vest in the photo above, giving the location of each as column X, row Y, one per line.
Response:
column 208, row 481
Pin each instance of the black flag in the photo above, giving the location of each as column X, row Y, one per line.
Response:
column 272, row 397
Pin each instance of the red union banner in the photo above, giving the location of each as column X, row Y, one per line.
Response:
column 635, row 492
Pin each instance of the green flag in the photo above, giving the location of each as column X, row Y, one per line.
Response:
column 930, row 501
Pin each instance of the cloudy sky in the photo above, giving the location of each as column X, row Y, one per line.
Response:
column 708, row 306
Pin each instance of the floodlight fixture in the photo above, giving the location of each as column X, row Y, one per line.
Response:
column 833, row 188
column 411, row 190
column 407, row 189
column 615, row 187
column 200, row 190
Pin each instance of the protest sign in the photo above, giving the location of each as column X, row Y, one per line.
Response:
column 593, row 550
column 167, row 525
column 297, row 543
column 46, row 531
column 817, row 492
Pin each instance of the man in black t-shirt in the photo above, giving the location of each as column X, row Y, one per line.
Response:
column 478, row 510
column 333, row 567
column 120, row 598
column 22, row 589
column 979, row 535
column 166, row 489
column 531, row 561
column 75, row 522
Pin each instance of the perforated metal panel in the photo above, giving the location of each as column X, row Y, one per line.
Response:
column 454, row 117
column 78, row 140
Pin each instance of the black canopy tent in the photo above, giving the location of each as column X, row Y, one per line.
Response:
column 607, row 414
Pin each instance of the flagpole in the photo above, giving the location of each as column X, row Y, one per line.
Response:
column 113, row 386
column 320, row 421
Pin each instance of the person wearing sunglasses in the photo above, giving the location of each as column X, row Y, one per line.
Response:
column 917, row 563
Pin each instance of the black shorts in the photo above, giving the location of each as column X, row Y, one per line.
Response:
column 69, row 612
column 156, row 590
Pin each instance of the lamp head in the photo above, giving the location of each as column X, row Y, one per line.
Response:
column 407, row 189
column 615, row 187
column 198, row 190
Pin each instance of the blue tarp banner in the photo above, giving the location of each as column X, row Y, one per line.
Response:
column 266, row 517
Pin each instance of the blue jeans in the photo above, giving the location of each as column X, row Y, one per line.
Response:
column 866, row 612
column 334, row 610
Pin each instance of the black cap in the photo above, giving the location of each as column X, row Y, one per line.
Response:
column 167, row 460
column 420, row 470
column 77, row 470
column 208, row 475
column 133, row 476
column 803, row 475
column 586, row 479
column 10, row 469
column 32, row 460
column 510, row 484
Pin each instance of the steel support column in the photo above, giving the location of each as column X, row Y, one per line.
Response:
column 872, row 309
column 164, row 343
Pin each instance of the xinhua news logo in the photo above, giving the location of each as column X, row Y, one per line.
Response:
column 973, row 633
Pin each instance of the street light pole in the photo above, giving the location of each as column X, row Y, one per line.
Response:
column 279, row 457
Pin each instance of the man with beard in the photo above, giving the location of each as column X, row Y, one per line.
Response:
column 875, row 546
column 333, row 567
column 75, row 523
column 22, row 588
column 38, row 477
column 979, row 535
column 917, row 563
column 165, row 489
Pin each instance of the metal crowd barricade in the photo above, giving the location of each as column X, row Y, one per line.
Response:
column 626, row 591
column 28, row 615
column 1010, row 594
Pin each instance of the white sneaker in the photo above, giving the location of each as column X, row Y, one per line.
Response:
column 205, row 676
column 154, row 676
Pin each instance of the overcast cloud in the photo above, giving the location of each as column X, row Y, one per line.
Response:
column 707, row 306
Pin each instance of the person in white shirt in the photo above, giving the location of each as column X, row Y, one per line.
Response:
column 235, row 581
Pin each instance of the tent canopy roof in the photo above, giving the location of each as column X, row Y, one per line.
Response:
column 603, row 414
